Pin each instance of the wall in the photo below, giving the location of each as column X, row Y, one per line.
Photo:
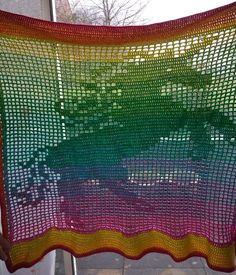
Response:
column 33, row 8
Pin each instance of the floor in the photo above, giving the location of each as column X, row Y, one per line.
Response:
column 151, row 264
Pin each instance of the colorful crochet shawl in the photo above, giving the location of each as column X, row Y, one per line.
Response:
column 119, row 139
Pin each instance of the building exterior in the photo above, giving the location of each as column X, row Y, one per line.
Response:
column 64, row 11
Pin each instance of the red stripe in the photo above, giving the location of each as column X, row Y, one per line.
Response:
column 23, row 26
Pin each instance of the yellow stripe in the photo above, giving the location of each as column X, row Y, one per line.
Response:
column 220, row 257
column 113, row 54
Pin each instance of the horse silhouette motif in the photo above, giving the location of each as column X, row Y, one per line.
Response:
column 113, row 117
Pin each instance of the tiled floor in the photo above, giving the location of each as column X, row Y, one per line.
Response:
column 151, row 264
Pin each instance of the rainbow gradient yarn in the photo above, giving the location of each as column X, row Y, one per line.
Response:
column 119, row 138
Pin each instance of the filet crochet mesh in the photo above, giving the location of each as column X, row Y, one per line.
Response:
column 119, row 138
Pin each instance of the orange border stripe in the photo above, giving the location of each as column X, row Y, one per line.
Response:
column 134, row 247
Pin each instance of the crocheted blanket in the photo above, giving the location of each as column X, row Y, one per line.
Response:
column 119, row 139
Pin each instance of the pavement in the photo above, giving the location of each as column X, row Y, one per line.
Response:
column 151, row 264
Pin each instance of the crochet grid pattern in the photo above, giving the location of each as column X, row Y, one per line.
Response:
column 119, row 138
